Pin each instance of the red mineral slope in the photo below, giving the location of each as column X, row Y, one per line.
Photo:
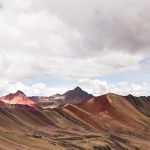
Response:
column 109, row 112
column 18, row 99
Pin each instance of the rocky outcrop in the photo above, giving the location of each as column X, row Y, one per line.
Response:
column 142, row 103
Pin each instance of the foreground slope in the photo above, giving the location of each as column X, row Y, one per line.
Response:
column 108, row 122
column 54, row 129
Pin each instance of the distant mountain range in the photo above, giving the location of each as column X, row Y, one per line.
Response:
column 74, row 96
column 123, row 120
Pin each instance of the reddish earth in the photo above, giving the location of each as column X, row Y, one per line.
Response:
column 18, row 98
column 109, row 112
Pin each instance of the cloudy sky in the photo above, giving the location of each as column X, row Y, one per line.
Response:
column 50, row 46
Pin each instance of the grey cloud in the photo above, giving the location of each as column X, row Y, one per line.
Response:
column 105, row 24
column 72, row 39
column 128, row 33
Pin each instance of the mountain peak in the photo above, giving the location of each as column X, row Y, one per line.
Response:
column 19, row 99
column 78, row 89
column 20, row 92
column 13, row 95
column 77, row 95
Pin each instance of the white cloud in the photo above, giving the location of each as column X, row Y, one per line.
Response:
column 95, row 87
column 38, row 89
column 98, row 87
column 36, row 41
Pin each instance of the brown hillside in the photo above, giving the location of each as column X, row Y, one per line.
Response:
column 109, row 112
